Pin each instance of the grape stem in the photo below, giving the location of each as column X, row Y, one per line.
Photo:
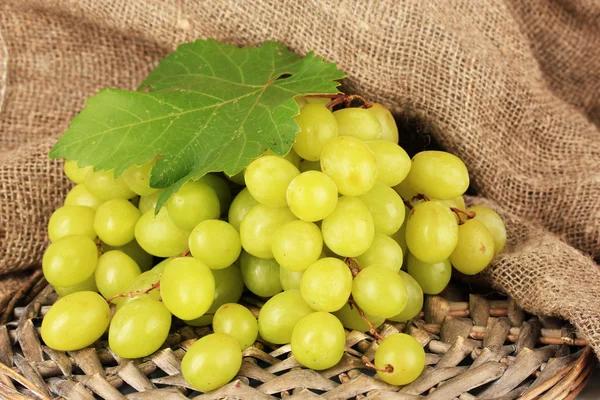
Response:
column 155, row 285
column 185, row 253
column 352, row 263
column 343, row 98
column 389, row 368
column 458, row 212
column 372, row 329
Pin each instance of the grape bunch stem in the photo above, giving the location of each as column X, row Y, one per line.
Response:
column 458, row 212
column 352, row 263
column 155, row 285
column 389, row 368
column 372, row 329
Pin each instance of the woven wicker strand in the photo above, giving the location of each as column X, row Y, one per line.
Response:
column 475, row 349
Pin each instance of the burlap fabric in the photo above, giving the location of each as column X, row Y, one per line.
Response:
column 512, row 87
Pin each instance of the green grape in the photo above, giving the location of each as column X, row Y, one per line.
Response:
column 211, row 362
column 187, row 287
column 351, row 319
column 221, row 188
column 404, row 354
column 291, row 156
column 414, row 304
column 326, row 285
column 318, row 341
column 70, row 260
column 438, row 175
column 261, row 275
column 75, row 173
column 140, row 284
column 139, row 328
column 241, row 204
column 351, row 164
column 104, row 186
column 400, row 235
column 267, row 179
column 389, row 129
column 216, row 243
column 297, row 244
column 115, row 222
column 386, row 208
column 384, row 251
column 431, row 232
column 290, row 280
column 306, row 166
column 137, row 178
column 115, row 271
column 237, row 321
column 317, row 100
column 357, row 122
column 238, row 178
column 133, row 250
column 193, row 203
column 279, row 315
column 71, row 220
column 393, row 163
column 75, row 321
column 89, row 285
column 405, row 190
column 312, row 196
column 475, row 248
column 80, row 196
column 493, row 222
column 148, row 203
column 456, row 202
column 379, row 292
column 317, row 127
column 433, row 278
column 349, row 229
column 259, row 225
column 159, row 236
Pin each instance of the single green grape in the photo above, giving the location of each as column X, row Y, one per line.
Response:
column 317, row 127
column 70, row 260
column 306, row 166
column 144, row 260
column 351, row 164
column 137, row 178
column 139, row 285
column 414, row 303
column 297, row 244
column 75, row 173
column 279, row 315
column 104, row 186
column 393, row 164
column 115, row 222
column 290, row 280
column 148, row 203
column 261, row 275
column 493, row 222
column 318, row 341
column 159, row 236
column 80, row 196
column 75, row 321
column 237, row 321
column 312, row 196
column 379, row 292
column 291, row 156
column 404, row 354
column 384, row 251
column 193, row 203
column 216, row 243
column 89, row 285
column 357, row 122
column 221, row 188
column 267, row 179
column 438, row 175
column 475, row 248
column 211, row 362
column 351, row 319
column 258, row 227
column 71, row 220
column 115, row 272
column 241, row 204
column 349, row 229
column 405, row 190
column 326, row 285
column 389, row 129
column 433, row 278
column 139, row 328
column 386, row 208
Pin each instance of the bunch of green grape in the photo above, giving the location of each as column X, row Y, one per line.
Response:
column 321, row 234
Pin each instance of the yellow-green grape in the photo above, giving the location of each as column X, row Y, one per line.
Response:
column 267, row 179
column 133, row 250
column 318, row 341
column 211, row 362
column 241, row 204
column 261, row 275
column 297, row 244
column 290, row 280
column 158, row 235
column 221, row 188
column 475, row 248
column 438, row 175
column 70, row 260
column 75, row 173
column 400, row 235
column 456, row 202
column 312, row 196
column 71, row 220
column 89, row 285
column 237, row 321
column 140, row 284
column 104, row 186
column 384, row 251
column 75, row 321
column 379, row 292
column 187, row 287
column 326, row 285
column 389, row 129
column 193, row 203
column 148, row 203
column 433, row 278
column 349, row 229
column 393, row 163
column 115, row 271
column 405, row 190
column 404, row 354
column 137, row 178
column 139, row 328
column 291, row 156
column 306, row 165
column 351, row 164
column 238, row 178
column 317, row 127
column 414, row 304
column 259, row 225
column 115, row 222
column 493, row 222
column 216, row 243
column 279, row 315
column 317, row 100
column 386, row 208
column 80, row 196
column 357, row 122
column 351, row 319
column 431, row 232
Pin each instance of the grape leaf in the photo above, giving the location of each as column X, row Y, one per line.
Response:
column 207, row 107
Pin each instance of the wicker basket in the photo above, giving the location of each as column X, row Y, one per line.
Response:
column 475, row 349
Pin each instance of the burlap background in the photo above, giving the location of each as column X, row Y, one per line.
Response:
column 512, row 87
